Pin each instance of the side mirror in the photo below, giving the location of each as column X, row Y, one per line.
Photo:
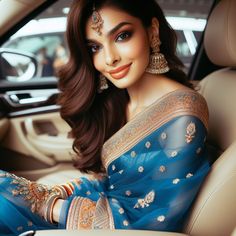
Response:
column 16, row 66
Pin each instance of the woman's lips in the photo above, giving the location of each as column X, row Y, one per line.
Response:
column 120, row 72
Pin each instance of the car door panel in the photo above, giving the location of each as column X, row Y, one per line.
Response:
column 32, row 131
column 4, row 124
column 27, row 136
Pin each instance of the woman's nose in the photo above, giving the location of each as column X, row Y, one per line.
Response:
column 111, row 56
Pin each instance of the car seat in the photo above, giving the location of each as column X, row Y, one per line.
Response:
column 214, row 211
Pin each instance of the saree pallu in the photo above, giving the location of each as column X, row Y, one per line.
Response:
column 154, row 164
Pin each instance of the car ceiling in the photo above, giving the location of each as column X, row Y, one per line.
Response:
column 12, row 11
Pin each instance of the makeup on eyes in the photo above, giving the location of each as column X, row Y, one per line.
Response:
column 125, row 33
column 93, row 47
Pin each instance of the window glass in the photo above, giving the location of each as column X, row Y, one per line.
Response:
column 188, row 19
column 44, row 36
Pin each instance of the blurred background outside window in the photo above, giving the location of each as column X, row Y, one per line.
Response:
column 45, row 35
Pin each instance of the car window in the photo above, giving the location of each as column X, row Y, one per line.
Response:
column 188, row 18
column 44, row 36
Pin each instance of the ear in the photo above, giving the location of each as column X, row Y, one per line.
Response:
column 153, row 29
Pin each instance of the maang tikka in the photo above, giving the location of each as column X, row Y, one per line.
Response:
column 157, row 62
column 97, row 21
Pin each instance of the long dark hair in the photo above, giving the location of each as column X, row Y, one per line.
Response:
column 96, row 117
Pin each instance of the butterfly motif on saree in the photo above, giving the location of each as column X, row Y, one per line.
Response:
column 145, row 202
column 191, row 130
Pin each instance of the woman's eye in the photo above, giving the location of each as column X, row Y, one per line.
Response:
column 123, row 36
column 93, row 48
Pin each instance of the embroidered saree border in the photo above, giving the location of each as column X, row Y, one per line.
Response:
column 81, row 213
column 171, row 105
column 87, row 214
column 103, row 215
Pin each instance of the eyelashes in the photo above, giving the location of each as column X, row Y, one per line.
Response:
column 93, row 48
column 124, row 36
column 121, row 37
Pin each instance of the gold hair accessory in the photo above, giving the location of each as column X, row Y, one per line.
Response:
column 157, row 62
column 102, row 83
column 97, row 21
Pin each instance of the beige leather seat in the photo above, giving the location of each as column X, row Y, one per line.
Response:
column 214, row 211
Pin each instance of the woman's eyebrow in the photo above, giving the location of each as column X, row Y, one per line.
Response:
column 112, row 31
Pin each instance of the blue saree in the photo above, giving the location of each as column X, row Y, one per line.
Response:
column 154, row 165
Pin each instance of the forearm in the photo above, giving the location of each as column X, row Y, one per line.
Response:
column 57, row 210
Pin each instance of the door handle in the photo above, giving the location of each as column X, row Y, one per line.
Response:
column 26, row 101
column 30, row 97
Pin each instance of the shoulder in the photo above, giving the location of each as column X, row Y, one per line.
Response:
column 184, row 101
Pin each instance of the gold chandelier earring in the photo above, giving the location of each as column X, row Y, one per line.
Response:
column 103, row 85
column 157, row 62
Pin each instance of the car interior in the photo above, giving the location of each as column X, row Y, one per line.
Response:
column 214, row 210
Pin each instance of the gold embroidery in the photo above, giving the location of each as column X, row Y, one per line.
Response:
column 145, row 202
column 162, row 169
column 133, row 154
column 103, row 216
column 35, row 194
column 73, row 216
column 160, row 218
column 147, row 144
column 112, row 187
column 81, row 213
column 114, row 200
column 163, row 135
column 88, row 193
column 128, row 193
column 173, row 104
column 121, row 211
column 174, row 153
column 87, row 213
column 191, row 130
column 39, row 197
column 140, row 169
column 176, row 181
column 125, row 223
column 189, row 175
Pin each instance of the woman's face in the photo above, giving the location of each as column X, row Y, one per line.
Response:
column 121, row 51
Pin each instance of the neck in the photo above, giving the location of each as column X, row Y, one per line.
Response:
column 145, row 91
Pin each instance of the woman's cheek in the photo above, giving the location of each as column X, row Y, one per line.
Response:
column 98, row 62
column 135, row 48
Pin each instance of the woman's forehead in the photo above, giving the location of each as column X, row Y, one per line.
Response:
column 111, row 17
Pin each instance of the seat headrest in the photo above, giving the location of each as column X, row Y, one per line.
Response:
column 220, row 34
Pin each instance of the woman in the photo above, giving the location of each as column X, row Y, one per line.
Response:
column 137, row 125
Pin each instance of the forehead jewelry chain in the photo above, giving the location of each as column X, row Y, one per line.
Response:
column 97, row 21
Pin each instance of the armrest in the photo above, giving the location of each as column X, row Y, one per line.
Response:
column 106, row 233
